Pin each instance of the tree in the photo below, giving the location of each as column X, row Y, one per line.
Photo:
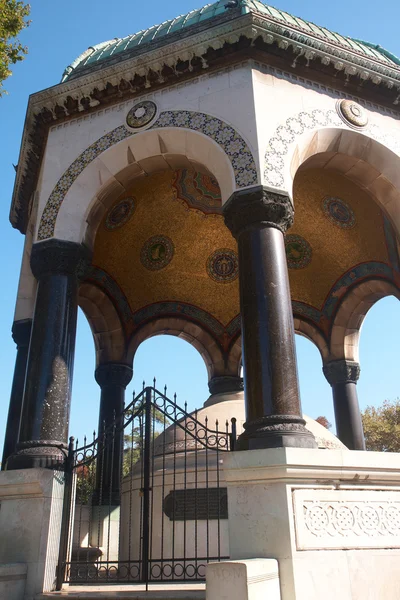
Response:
column 324, row 422
column 382, row 427
column 13, row 15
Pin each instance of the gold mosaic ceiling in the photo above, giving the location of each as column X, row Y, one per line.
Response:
column 158, row 245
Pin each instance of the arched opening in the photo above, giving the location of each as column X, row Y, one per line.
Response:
column 84, row 416
column 361, row 159
column 174, row 363
column 315, row 391
column 379, row 342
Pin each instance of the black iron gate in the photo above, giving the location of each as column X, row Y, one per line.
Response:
column 145, row 501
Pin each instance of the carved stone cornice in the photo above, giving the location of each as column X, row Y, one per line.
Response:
column 113, row 374
column 58, row 257
column 21, row 332
column 342, row 371
column 188, row 54
column 258, row 206
column 225, row 384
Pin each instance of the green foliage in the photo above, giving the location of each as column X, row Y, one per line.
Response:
column 85, row 478
column 13, row 15
column 133, row 441
column 382, row 427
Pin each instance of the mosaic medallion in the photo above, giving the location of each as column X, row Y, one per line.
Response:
column 141, row 114
column 223, row 265
column 298, row 252
column 338, row 212
column 157, row 252
column 120, row 214
column 352, row 113
column 198, row 191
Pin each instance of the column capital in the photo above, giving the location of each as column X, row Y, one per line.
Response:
column 225, row 384
column 258, row 206
column 113, row 374
column 21, row 332
column 59, row 257
column 341, row 371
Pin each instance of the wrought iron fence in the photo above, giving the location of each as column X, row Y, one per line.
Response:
column 145, row 500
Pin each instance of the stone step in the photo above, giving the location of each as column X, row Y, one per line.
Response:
column 127, row 592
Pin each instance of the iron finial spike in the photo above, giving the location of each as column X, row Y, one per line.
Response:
column 154, row 382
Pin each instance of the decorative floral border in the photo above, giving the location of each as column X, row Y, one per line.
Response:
column 224, row 135
column 286, row 133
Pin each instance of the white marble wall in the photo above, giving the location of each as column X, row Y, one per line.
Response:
column 330, row 517
column 30, row 524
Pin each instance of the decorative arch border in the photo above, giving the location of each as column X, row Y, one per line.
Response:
column 323, row 318
column 348, row 320
column 279, row 145
column 231, row 142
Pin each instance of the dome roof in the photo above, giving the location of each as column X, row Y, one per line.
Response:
column 174, row 436
column 197, row 20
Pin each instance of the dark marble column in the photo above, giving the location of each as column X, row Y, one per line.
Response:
column 21, row 333
column 43, row 438
column 343, row 376
column 258, row 220
column 113, row 379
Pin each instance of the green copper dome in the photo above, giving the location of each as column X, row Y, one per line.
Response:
column 223, row 10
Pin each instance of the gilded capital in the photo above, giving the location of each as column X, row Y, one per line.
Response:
column 342, row 371
column 258, row 206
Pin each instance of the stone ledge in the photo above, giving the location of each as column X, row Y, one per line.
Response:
column 124, row 592
column 349, row 467
column 27, row 483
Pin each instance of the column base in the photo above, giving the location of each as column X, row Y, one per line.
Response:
column 38, row 454
column 283, row 431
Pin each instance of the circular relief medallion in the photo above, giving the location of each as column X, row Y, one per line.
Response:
column 298, row 252
column 119, row 214
column 157, row 252
column 338, row 212
column 141, row 114
column 352, row 113
column 223, row 265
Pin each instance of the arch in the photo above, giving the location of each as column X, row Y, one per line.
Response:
column 370, row 157
column 201, row 138
column 312, row 333
column 346, row 327
column 104, row 322
column 201, row 339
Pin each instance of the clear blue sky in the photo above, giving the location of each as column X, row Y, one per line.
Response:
column 58, row 34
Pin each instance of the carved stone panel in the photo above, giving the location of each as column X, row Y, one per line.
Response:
column 346, row 519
